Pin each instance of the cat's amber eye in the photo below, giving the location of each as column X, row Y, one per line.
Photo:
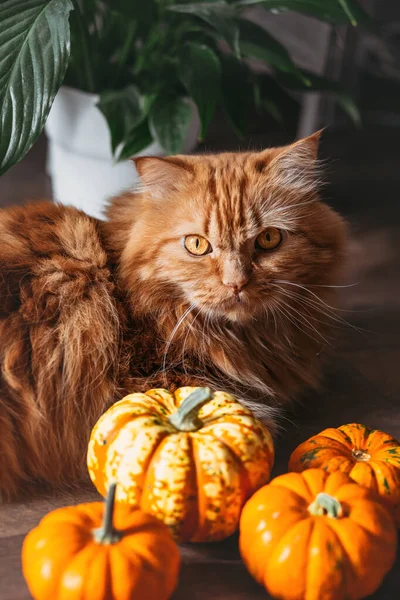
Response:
column 269, row 239
column 197, row 245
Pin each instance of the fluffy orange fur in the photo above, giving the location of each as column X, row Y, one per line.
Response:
column 90, row 310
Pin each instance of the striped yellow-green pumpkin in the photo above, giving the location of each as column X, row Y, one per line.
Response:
column 191, row 458
column 369, row 456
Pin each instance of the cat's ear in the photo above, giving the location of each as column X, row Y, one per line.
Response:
column 162, row 175
column 296, row 166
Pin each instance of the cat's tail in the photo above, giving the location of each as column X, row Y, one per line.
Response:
column 59, row 343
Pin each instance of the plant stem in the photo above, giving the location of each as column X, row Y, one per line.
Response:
column 360, row 455
column 106, row 534
column 185, row 418
column 324, row 504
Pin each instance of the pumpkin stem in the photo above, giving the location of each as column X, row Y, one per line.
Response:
column 106, row 534
column 185, row 418
column 324, row 504
column 361, row 455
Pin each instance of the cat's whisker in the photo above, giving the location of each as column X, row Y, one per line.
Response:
column 207, row 323
column 306, row 321
column 293, row 318
column 285, row 317
column 298, row 285
column 203, row 332
column 319, row 303
column 324, row 310
column 270, row 309
column 307, row 307
column 307, row 302
column 171, row 337
column 286, row 331
column 320, row 306
column 274, row 318
column 334, row 286
column 190, row 328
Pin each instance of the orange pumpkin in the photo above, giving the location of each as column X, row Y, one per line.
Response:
column 370, row 457
column 191, row 458
column 317, row 536
column 77, row 554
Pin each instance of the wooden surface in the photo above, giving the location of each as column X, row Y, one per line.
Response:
column 362, row 380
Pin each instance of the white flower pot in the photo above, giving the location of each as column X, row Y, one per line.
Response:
column 79, row 160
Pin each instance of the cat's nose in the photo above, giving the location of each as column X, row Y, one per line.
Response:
column 236, row 285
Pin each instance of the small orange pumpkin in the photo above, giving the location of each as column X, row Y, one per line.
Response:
column 370, row 457
column 76, row 553
column 317, row 536
column 191, row 458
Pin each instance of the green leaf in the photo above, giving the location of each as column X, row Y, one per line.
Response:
column 123, row 110
column 348, row 10
column 237, row 93
column 200, row 34
column 256, row 42
column 321, row 84
column 169, row 123
column 220, row 15
column 334, row 11
column 138, row 139
column 34, row 53
column 200, row 73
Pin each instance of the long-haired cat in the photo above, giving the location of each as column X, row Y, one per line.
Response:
column 216, row 270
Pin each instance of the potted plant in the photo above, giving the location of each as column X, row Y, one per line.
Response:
column 139, row 77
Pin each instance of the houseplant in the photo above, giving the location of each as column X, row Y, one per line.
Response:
column 144, row 61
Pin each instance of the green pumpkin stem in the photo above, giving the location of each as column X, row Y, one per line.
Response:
column 324, row 504
column 106, row 534
column 185, row 418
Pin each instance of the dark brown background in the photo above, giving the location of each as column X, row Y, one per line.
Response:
column 362, row 380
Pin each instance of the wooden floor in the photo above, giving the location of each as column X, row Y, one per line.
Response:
column 362, row 380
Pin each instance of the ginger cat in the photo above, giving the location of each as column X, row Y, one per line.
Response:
column 217, row 270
